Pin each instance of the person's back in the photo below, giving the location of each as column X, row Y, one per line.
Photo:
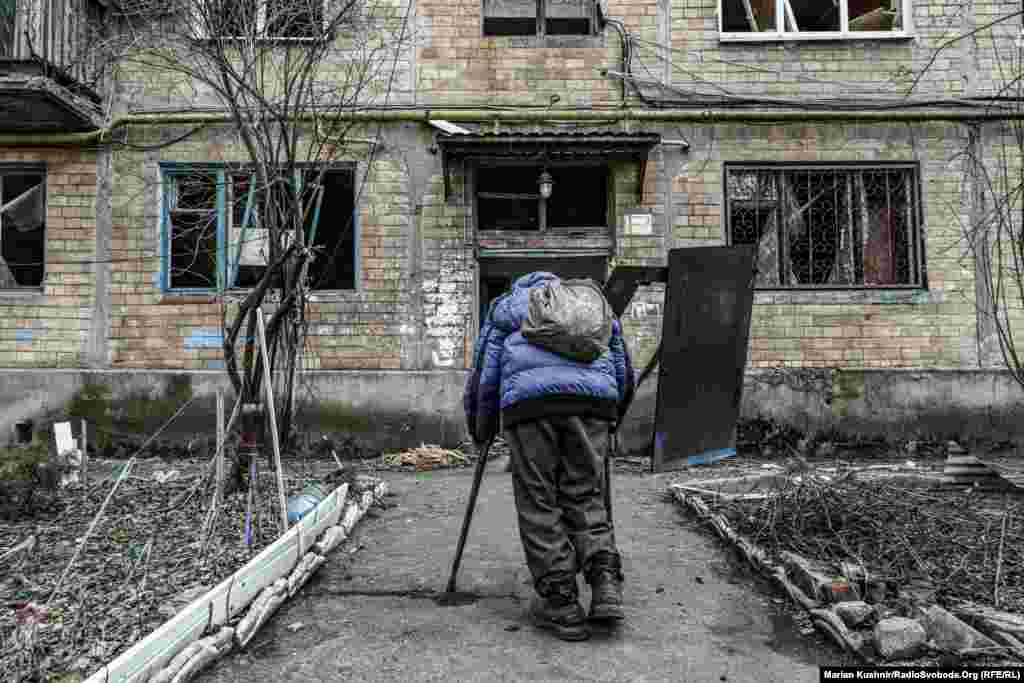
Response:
column 557, row 414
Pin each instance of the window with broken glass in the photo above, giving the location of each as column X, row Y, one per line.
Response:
column 539, row 17
column 264, row 19
column 815, row 227
column 508, row 197
column 810, row 19
column 214, row 230
column 22, row 228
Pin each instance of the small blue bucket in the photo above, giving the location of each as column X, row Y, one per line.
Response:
column 299, row 505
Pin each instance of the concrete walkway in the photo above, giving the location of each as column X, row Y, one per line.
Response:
column 369, row 615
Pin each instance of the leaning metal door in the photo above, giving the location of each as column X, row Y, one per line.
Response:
column 705, row 335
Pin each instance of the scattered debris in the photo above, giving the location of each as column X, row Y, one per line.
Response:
column 830, row 539
column 144, row 555
column 899, row 638
column 164, row 476
column 426, row 457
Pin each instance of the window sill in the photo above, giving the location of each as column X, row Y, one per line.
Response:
column 22, row 296
column 547, row 41
column 268, row 39
column 768, row 37
column 848, row 296
column 176, row 298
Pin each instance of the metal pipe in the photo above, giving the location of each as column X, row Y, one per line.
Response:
column 707, row 116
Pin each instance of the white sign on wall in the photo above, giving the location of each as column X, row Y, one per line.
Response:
column 639, row 224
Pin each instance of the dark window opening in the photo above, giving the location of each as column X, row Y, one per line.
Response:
column 192, row 212
column 519, row 17
column 22, row 229
column 812, row 15
column 828, row 227
column 508, row 198
column 334, row 241
column 266, row 18
column 568, row 17
column 579, row 198
column 748, row 15
column 294, row 18
column 509, row 26
column 219, row 220
column 510, row 17
column 233, row 18
column 751, row 16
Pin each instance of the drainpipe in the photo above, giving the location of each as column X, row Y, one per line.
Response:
column 705, row 116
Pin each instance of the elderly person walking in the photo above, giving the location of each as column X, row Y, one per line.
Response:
column 558, row 415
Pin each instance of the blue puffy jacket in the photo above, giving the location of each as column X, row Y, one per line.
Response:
column 532, row 382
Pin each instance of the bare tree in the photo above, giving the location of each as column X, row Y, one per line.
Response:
column 286, row 74
column 993, row 226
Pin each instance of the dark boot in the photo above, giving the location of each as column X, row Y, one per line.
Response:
column 557, row 608
column 605, row 578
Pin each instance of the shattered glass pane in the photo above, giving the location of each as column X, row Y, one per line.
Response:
column 742, row 16
column 875, row 15
column 812, row 15
column 826, row 227
column 23, row 234
column 753, row 211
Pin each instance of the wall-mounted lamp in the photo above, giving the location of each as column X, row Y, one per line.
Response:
column 546, row 183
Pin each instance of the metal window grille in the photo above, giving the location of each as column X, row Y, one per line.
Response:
column 828, row 227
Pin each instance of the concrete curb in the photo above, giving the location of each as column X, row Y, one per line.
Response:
column 178, row 650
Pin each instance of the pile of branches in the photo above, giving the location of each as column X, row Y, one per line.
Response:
column 959, row 544
column 425, row 457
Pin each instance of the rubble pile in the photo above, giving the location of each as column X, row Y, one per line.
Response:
column 425, row 457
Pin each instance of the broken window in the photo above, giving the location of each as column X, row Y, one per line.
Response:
column 216, row 222
column 295, row 19
column 192, row 229
column 520, row 17
column 22, row 228
column 568, row 17
column 508, row 197
column 825, row 227
column 811, row 16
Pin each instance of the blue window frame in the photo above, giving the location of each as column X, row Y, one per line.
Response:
column 211, row 239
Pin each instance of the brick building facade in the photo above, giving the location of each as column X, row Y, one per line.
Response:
column 664, row 124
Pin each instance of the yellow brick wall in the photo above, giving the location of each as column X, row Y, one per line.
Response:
column 861, row 330
column 348, row 329
column 51, row 328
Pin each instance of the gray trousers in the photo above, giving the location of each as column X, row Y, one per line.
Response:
column 559, row 496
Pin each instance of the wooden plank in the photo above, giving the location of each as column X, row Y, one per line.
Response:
column 269, row 393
